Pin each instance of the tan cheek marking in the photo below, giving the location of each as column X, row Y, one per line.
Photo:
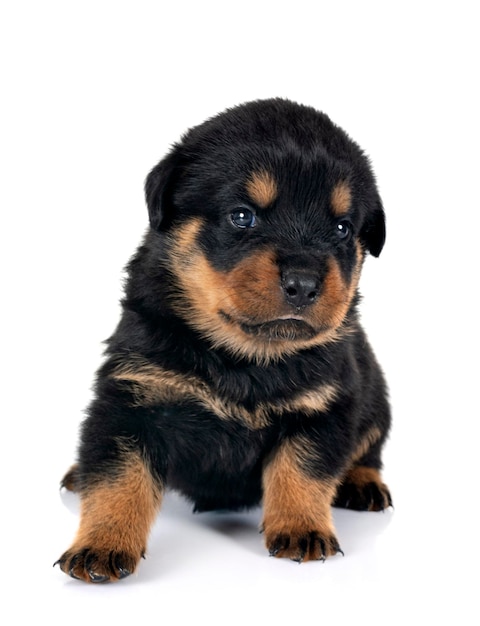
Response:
column 183, row 241
column 202, row 287
column 254, row 287
column 335, row 298
column 250, row 291
column 337, row 294
column 262, row 189
column 341, row 199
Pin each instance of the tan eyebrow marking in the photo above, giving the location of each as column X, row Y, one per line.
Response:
column 262, row 188
column 341, row 198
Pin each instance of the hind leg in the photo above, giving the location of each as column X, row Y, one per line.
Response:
column 362, row 487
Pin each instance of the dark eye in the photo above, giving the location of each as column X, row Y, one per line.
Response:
column 243, row 218
column 344, row 230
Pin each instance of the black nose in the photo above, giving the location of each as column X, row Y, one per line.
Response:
column 300, row 288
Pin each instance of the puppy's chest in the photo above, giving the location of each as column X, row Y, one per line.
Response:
column 260, row 410
column 257, row 406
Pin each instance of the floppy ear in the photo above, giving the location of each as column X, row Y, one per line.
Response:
column 373, row 232
column 158, row 188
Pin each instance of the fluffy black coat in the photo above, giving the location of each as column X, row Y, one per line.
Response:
column 239, row 373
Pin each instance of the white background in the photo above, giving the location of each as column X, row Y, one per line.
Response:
column 92, row 95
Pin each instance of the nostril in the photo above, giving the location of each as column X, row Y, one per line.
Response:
column 300, row 288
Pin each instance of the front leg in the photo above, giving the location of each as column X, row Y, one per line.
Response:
column 298, row 520
column 118, row 508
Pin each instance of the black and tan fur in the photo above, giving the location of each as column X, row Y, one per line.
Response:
column 239, row 374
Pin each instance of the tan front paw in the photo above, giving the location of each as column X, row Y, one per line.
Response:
column 98, row 565
column 301, row 544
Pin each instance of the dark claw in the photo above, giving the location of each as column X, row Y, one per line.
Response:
column 116, row 564
column 337, row 548
column 73, row 562
column 303, row 547
column 70, row 573
column 323, row 549
column 97, row 578
column 281, row 543
column 90, row 564
column 61, row 563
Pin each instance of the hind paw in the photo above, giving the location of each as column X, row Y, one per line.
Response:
column 363, row 490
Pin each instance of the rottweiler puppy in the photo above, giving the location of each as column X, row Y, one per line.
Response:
column 239, row 374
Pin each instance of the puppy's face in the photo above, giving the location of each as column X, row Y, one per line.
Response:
column 269, row 211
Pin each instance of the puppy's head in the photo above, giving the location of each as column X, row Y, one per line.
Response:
column 266, row 212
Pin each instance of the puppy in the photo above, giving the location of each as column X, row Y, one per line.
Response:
column 239, row 374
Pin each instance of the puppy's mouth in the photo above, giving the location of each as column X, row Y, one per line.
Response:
column 282, row 329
